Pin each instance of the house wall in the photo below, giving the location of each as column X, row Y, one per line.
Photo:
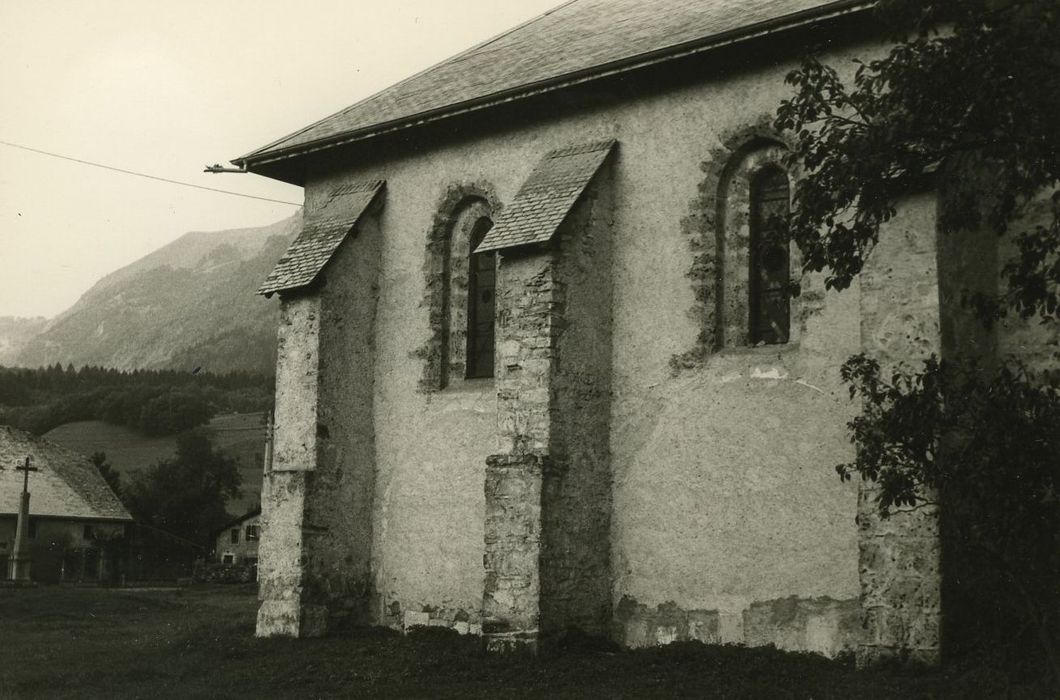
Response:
column 728, row 522
column 245, row 548
column 57, row 547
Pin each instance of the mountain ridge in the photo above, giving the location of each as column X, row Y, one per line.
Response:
column 190, row 304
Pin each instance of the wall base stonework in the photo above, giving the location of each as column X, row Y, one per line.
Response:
column 901, row 585
column 289, row 618
column 511, row 598
column 822, row 625
column 899, row 557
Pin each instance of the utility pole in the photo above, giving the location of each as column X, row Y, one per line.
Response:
column 20, row 557
column 268, row 444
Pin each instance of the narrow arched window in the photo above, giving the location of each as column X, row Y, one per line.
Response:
column 770, row 273
column 481, row 302
column 462, row 327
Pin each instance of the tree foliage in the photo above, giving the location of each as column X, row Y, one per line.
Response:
column 187, row 495
column 111, row 475
column 966, row 100
column 153, row 402
column 989, row 445
column 970, row 89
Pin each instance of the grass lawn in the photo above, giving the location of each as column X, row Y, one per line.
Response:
column 199, row 643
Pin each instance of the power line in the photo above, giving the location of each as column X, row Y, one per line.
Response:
column 145, row 175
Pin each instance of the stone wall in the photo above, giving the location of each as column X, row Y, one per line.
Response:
column 283, row 611
column 548, row 496
column 899, row 557
column 317, row 497
column 527, row 322
column 340, row 516
column 511, row 605
column 724, row 502
column 576, row 502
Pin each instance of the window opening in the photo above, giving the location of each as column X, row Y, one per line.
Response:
column 481, row 305
column 770, row 274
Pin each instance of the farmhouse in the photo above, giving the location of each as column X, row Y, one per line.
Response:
column 537, row 369
column 76, row 523
column 237, row 541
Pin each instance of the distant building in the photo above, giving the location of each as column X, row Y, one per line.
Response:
column 237, row 542
column 77, row 525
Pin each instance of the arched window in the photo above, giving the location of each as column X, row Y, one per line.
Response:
column 460, row 289
column 465, row 303
column 770, row 265
column 481, row 302
column 753, row 273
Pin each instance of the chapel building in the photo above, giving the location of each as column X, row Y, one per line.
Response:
column 538, row 369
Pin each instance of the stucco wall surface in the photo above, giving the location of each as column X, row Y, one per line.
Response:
column 723, row 487
column 338, row 515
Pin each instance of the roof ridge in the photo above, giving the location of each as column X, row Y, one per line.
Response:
column 491, row 73
column 455, row 57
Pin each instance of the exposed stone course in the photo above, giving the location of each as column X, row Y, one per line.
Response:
column 548, row 498
column 317, row 494
column 718, row 231
column 445, row 280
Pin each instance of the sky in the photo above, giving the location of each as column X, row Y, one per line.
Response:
column 164, row 88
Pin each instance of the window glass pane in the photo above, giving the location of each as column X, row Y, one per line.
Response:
column 770, row 307
column 481, row 304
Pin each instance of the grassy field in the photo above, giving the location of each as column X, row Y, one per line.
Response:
column 198, row 643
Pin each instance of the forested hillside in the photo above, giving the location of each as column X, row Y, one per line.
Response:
column 151, row 402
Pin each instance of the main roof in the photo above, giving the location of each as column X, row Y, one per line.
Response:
column 576, row 41
column 66, row 485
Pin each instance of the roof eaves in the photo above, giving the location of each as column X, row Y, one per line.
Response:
column 428, row 69
column 78, row 518
column 252, row 513
column 831, row 10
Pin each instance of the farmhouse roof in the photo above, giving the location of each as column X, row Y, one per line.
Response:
column 67, row 484
column 575, row 42
column 252, row 513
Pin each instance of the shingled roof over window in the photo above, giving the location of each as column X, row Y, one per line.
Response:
column 576, row 41
column 66, row 485
column 547, row 196
column 322, row 233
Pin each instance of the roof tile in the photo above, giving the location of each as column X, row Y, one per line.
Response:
column 583, row 36
column 547, row 196
column 323, row 232
column 67, row 484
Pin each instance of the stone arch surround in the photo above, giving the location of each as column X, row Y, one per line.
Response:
column 436, row 352
column 737, row 157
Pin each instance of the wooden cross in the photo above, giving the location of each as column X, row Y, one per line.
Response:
column 26, row 469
